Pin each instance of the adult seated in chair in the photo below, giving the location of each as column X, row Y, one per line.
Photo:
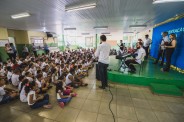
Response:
column 138, row 59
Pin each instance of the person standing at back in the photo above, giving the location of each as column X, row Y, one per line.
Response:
column 147, row 43
column 9, row 51
column 25, row 51
column 14, row 50
column 34, row 50
column 161, row 52
column 102, row 53
column 170, row 47
column 46, row 48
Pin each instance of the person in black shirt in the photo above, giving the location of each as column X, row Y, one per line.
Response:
column 170, row 46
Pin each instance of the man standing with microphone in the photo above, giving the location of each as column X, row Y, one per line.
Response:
column 102, row 52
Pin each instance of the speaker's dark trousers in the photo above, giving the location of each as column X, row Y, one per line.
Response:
column 161, row 53
column 103, row 73
column 147, row 52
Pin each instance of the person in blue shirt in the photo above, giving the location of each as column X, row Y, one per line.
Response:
column 46, row 48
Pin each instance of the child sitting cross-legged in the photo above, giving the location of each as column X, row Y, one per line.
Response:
column 67, row 89
column 35, row 100
column 23, row 95
column 6, row 95
column 73, row 81
column 63, row 96
column 42, row 85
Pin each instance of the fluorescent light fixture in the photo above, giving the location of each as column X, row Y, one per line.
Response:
column 166, row 1
column 85, row 33
column 69, row 28
column 101, row 27
column 106, row 33
column 80, row 7
column 127, row 32
column 137, row 26
column 20, row 15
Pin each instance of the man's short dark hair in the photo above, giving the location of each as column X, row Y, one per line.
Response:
column 103, row 38
column 146, row 35
column 166, row 33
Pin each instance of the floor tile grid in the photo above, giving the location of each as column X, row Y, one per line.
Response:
column 141, row 108
column 94, row 83
column 160, row 110
column 124, row 86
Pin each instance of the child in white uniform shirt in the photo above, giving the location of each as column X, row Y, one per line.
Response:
column 23, row 95
column 29, row 76
column 15, row 78
column 6, row 95
column 35, row 101
column 9, row 74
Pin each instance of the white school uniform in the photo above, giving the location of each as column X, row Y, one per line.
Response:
column 9, row 75
column 44, row 74
column 23, row 97
column 68, row 81
column 15, row 79
column 30, row 79
column 38, row 83
column 28, row 96
column 2, row 93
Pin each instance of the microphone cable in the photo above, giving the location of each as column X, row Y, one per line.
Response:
column 112, row 97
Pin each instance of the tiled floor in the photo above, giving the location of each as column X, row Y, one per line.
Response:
column 130, row 104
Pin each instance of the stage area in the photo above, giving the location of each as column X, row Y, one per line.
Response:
column 151, row 76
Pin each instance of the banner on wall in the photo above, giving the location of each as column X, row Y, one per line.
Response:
column 176, row 27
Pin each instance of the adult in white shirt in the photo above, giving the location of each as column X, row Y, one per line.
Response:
column 9, row 51
column 138, row 59
column 102, row 53
column 147, row 43
column 161, row 52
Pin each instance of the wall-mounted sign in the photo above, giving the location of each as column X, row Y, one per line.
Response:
column 3, row 42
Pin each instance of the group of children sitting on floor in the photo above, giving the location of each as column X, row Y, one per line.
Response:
column 33, row 76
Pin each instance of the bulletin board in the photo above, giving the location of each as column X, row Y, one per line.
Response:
column 3, row 42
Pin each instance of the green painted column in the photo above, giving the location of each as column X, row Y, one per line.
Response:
column 61, row 43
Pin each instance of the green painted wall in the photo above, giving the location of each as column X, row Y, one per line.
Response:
column 20, row 48
column 3, row 54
